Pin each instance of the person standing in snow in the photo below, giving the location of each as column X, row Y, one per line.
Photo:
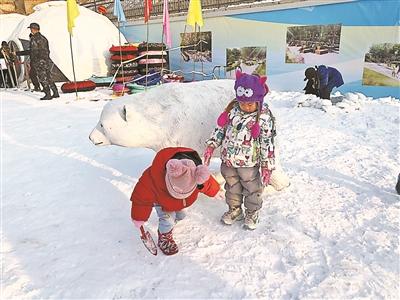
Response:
column 32, row 74
column 246, row 131
column 40, row 61
column 324, row 80
column 171, row 184
column 9, row 58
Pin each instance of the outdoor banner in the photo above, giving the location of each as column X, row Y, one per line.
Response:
column 359, row 38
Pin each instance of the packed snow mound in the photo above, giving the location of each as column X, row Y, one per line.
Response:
column 8, row 22
column 347, row 102
column 93, row 35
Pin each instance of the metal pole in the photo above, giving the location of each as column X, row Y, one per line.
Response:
column 120, row 55
column 147, row 52
column 73, row 66
column 2, row 77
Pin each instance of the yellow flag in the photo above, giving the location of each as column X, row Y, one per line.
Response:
column 72, row 13
column 194, row 14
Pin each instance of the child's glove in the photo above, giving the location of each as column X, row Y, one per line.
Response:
column 208, row 154
column 138, row 224
column 265, row 176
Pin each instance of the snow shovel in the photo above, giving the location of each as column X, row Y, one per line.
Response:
column 148, row 241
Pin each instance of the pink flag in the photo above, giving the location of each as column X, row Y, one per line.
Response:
column 148, row 7
column 167, row 32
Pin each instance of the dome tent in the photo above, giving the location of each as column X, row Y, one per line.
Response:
column 90, row 49
column 7, row 24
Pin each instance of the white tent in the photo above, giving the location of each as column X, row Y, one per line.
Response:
column 8, row 22
column 93, row 35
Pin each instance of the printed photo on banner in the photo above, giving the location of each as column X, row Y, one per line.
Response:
column 251, row 60
column 382, row 65
column 317, row 44
column 196, row 46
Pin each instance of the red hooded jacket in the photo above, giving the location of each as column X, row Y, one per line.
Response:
column 151, row 188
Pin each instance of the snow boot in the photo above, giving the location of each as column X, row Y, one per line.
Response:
column 232, row 215
column 55, row 91
column 166, row 243
column 251, row 220
column 47, row 95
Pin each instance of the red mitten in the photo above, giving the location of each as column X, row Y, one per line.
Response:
column 265, row 176
column 208, row 154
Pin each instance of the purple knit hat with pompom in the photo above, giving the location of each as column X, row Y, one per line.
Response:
column 248, row 88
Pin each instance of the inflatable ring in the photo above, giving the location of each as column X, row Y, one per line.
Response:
column 124, row 57
column 128, row 49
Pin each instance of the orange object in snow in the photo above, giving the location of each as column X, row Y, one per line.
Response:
column 102, row 9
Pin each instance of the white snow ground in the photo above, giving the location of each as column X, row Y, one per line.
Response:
column 67, row 233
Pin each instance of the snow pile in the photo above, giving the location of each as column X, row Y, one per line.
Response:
column 7, row 24
column 348, row 102
column 332, row 234
column 93, row 35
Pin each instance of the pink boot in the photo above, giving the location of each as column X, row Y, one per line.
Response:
column 166, row 243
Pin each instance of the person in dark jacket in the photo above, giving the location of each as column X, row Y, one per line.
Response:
column 32, row 75
column 398, row 185
column 10, row 59
column 40, row 61
column 324, row 80
column 171, row 184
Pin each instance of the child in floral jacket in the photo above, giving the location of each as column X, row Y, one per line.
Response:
column 245, row 133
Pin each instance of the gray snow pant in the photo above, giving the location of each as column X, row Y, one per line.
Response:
column 242, row 182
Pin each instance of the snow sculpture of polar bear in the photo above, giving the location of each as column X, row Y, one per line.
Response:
column 173, row 114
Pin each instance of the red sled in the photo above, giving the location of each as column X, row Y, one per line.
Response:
column 80, row 86
column 123, row 49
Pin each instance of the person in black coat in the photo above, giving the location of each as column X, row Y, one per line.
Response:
column 40, row 61
column 398, row 185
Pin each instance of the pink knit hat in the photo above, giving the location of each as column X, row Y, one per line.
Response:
column 182, row 177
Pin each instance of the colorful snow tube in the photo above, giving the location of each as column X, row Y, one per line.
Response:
column 119, row 89
column 152, row 69
column 128, row 66
column 101, row 80
column 151, row 46
column 152, row 61
column 80, row 86
column 123, row 57
column 152, row 79
column 102, row 9
column 152, row 53
column 123, row 79
column 127, row 49
column 137, row 88
column 127, row 72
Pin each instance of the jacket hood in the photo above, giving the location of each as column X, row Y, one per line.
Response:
column 158, row 169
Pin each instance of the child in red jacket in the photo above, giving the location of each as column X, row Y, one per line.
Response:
column 172, row 183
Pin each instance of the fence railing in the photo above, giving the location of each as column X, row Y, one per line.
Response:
column 134, row 9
